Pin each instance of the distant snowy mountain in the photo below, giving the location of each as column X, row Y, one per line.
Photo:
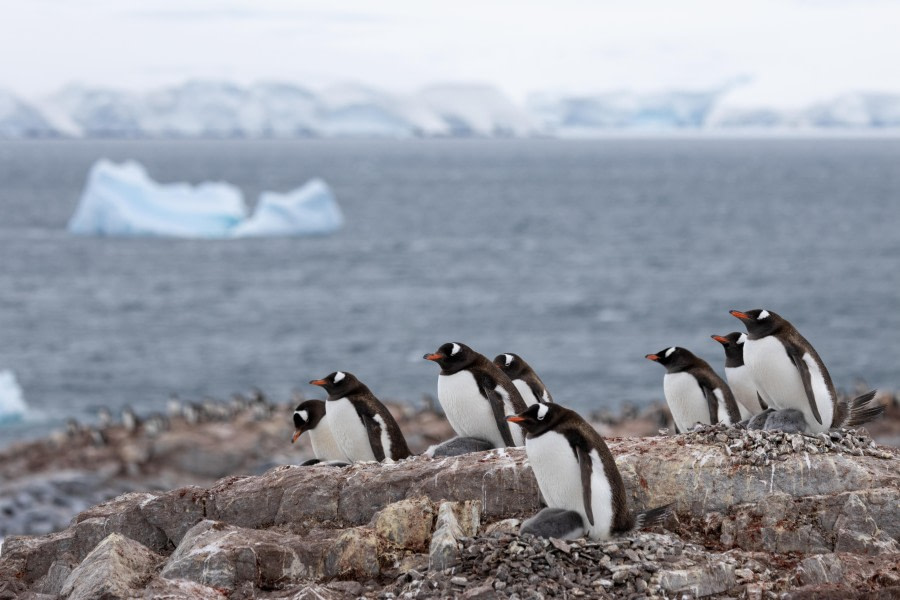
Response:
column 221, row 110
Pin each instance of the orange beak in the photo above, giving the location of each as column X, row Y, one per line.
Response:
column 435, row 356
column 720, row 339
column 739, row 315
column 318, row 382
column 651, row 357
column 515, row 419
column 297, row 434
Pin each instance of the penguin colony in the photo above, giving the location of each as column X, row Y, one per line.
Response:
column 775, row 380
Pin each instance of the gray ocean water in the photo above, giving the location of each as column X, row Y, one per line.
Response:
column 582, row 256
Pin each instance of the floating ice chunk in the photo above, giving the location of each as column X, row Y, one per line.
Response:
column 310, row 209
column 122, row 200
column 12, row 401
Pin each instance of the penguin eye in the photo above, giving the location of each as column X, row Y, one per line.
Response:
column 542, row 411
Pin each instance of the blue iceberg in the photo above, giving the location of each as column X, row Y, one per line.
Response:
column 308, row 210
column 123, row 200
column 12, row 401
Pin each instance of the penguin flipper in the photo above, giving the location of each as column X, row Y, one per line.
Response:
column 762, row 402
column 499, row 412
column 373, row 428
column 711, row 402
column 803, row 368
column 587, row 468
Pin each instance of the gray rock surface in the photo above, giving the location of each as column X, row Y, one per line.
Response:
column 116, row 569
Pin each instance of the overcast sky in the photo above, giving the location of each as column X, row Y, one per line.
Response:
column 793, row 49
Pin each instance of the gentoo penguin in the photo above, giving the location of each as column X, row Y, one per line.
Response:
column 524, row 378
column 310, row 416
column 476, row 395
column 362, row 426
column 790, row 375
column 576, row 472
column 738, row 375
column 694, row 393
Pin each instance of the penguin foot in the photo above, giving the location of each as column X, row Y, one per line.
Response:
column 759, row 421
column 556, row 523
column 310, row 462
column 457, row 446
column 788, row 420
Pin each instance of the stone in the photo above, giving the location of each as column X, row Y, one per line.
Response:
column 354, row 554
column 444, row 549
column 820, row 569
column 116, row 569
column 406, row 524
column 175, row 512
column 123, row 515
column 699, row 581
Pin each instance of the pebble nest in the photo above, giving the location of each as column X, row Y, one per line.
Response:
column 526, row 568
column 760, row 447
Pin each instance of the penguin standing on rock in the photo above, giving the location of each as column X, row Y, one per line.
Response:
column 694, row 393
column 362, row 426
column 476, row 396
column 524, row 378
column 738, row 375
column 790, row 375
column 577, row 475
column 310, row 416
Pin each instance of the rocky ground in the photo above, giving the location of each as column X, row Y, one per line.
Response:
column 759, row 515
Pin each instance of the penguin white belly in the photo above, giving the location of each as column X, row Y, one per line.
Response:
column 468, row 412
column 348, row 430
column 323, row 444
column 721, row 407
column 685, row 400
column 525, row 391
column 559, row 478
column 778, row 378
column 744, row 389
column 518, row 435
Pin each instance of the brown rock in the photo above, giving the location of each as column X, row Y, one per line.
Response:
column 406, row 524
column 116, row 569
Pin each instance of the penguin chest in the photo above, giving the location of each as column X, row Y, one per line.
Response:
column 525, row 392
column 744, row 389
column 558, row 474
column 686, row 400
column 348, row 429
column 468, row 412
column 774, row 372
column 323, row 443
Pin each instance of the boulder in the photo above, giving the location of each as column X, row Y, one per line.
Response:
column 116, row 569
column 406, row 524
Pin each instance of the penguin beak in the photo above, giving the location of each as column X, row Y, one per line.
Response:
column 739, row 315
column 297, row 434
column 651, row 357
column 318, row 382
column 435, row 356
column 515, row 419
column 720, row 339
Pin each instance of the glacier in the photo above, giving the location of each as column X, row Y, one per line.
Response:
column 12, row 401
column 122, row 200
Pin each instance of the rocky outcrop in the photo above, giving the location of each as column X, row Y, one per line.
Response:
column 797, row 521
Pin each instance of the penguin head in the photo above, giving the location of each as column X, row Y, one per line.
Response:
column 511, row 364
column 452, row 356
column 538, row 418
column 674, row 358
column 306, row 416
column 759, row 321
column 338, row 384
column 734, row 347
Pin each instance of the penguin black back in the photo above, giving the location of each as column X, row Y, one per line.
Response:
column 516, row 368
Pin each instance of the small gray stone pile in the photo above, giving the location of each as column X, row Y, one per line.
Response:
column 504, row 565
column 760, row 447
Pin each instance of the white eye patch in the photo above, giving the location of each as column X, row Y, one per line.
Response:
column 302, row 414
column 509, row 359
column 742, row 338
column 670, row 351
column 543, row 409
column 763, row 315
column 454, row 350
column 339, row 376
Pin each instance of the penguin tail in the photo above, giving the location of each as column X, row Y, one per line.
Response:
column 654, row 516
column 862, row 410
